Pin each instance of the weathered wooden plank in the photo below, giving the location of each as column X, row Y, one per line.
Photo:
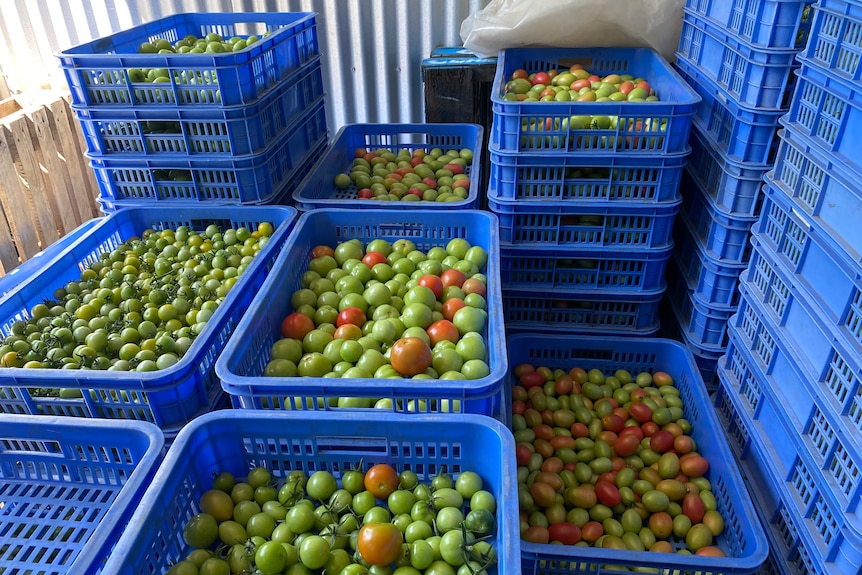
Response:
column 14, row 199
column 76, row 163
column 40, row 194
column 89, row 175
column 8, row 251
column 64, row 196
column 9, row 106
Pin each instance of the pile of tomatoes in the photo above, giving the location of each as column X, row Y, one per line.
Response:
column 608, row 461
column 376, row 521
column 387, row 310
column 139, row 307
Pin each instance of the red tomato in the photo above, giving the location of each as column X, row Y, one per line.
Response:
column 532, row 379
column 352, row 315
column 661, row 441
column 296, row 325
column 522, row 454
column 565, row 533
column 373, row 258
column 410, row 355
column 541, row 78
column 626, row 444
column 450, row 306
column 434, row 283
column 442, row 330
column 607, row 493
column 365, row 194
column 640, row 412
column 379, row 543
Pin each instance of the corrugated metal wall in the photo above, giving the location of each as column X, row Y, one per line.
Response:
column 372, row 49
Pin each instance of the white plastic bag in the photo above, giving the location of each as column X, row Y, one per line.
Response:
column 503, row 24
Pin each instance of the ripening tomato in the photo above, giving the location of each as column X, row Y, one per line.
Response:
column 373, row 258
column 381, row 480
column 432, row 282
column 442, row 330
column 379, row 543
column 352, row 315
column 565, row 533
column 296, row 326
column 450, row 306
column 410, row 355
column 322, row 250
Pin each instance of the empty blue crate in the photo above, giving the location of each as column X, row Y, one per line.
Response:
column 744, row 134
column 109, row 71
column 170, row 397
column 733, row 186
column 703, row 324
column 828, row 109
column 814, row 261
column 762, row 23
column 250, row 179
column 68, row 489
column 595, row 223
column 835, row 38
column 200, row 131
column 624, row 179
column 236, row 441
column 626, row 313
column 802, row 501
column 796, row 538
column 723, row 236
column 242, row 364
column 713, row 282
column 810, row 389
column 318, row 189
column 743, row 540
column 821, row 186
column 38, row 261
column 641, row 128
column 753, row 77
column 564, row 269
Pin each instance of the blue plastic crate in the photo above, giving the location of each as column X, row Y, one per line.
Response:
column 702, row 323
column 622, row 179
column 815, row 262
column 744, row 134
column 170, row 397
column 713, row 283
column 796, row 515
column 32, row 265
column 763, row 23
column 821, row 186
column 835, row 38
column 98, row 72
column 626, row 313
column 788, row 474
column 733, row 186
column 564, row 270
column 248, row 179
column 743, row 539
column 526, row 126
column 317, row 190
column 240, row 367
column 201, row 132
column 753, row 77
column 281, row 197
column 705, row 356
column 809, row 379
column 598, row 224
column 282, row 442
column 828, row 109
column 68, row 487
column 724, row 236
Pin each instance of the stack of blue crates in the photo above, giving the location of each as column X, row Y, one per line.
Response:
column 739, row 56
column 790, row 390
column 586, row 211
column 218, row 128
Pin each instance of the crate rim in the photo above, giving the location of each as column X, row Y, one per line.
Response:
column 430, row 387
column 627, row 207
column 120, row 380
column 192, row 59
column 715, row 25
column 723, row 564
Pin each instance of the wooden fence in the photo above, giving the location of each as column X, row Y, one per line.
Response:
column 47, row 188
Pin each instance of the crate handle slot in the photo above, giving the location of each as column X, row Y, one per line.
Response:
column 336, row 444
column 25, row 446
